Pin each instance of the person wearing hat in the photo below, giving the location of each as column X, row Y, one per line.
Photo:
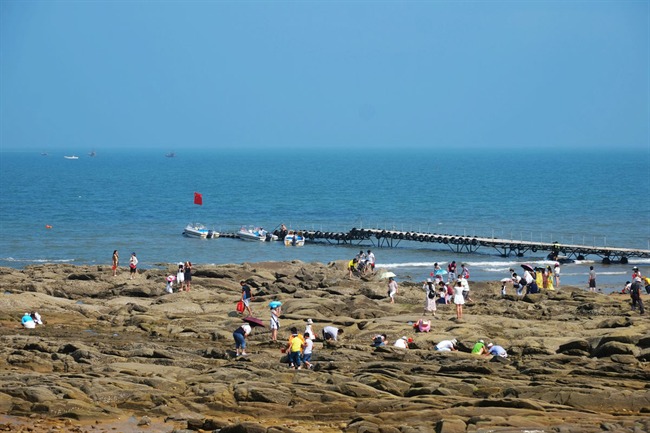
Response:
column 635, row 294
column 133, row 265
column 479, row 348
column 275, row 322
column 170, row 282
column 309, row 330
column 401, row 343
column 28, row 321
column 636, row 273
column 429, row 288
column 447, row 345
column 497, row 351
column 180, row 276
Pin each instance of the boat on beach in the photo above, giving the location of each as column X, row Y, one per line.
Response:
column 71, row 157
column 294, row 240
column 196, row 230
column 257, row 234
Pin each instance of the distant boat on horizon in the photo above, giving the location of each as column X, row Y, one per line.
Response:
column 92, row 154
column 71, row 157
column 44, row 154
column 170, row 155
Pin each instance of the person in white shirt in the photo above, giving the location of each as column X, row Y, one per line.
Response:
column 465, row 284
column 447, row 345
column 307, row 350
column 401, row 343
column 331, row 333
column 370, row 257
column 392, row 289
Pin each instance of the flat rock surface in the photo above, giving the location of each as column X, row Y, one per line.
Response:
column 117, row 354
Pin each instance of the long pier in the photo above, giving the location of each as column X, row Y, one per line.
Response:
column 471, row 244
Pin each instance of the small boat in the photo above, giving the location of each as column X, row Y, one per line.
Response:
column 256, row 234
column 92, row 154
column 294, row 240
column 170, row 155
column 196, row 230
column 71, row 157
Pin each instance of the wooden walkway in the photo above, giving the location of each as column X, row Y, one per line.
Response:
column 471, row 244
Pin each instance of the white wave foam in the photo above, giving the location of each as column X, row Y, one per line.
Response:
column 14, row 260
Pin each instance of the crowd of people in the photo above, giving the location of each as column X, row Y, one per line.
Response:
column 362, row 264
column 456, row 290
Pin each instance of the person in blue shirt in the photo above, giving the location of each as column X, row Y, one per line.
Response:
column 497, row 350
column 28, row 321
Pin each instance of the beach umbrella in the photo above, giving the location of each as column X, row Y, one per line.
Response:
column 441, row 272
column 253, row 321
column 506, row 280
column 171, row 278
column 387, row 275
column 527, row 267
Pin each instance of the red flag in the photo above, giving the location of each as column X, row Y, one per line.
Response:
column 198, row 198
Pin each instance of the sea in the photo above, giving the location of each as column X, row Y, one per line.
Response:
column 77, row 211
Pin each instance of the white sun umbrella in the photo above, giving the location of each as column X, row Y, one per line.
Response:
column 387, row 274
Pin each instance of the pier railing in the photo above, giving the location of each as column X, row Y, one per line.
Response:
column 471, row 244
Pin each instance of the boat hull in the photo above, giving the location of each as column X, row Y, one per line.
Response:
column 247, row 235
column 199, row 231
column 290, row 242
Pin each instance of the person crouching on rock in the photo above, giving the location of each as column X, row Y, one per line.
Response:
column 30, row 320
column 379, row 340
column 331, row 333
column 240, row 335
column 447, row 345
column 479, row 348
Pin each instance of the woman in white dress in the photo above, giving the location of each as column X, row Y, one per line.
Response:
column 459, row 300
column 429, row 288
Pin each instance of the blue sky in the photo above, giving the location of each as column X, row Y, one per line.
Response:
column 374, row 74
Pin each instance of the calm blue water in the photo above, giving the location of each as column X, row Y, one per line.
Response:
column 140, row 201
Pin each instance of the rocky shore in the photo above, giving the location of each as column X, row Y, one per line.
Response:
column 120, row 355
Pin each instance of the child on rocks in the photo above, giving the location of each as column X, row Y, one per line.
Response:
column 308, row 348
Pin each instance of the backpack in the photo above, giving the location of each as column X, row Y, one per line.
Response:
column 431, row 291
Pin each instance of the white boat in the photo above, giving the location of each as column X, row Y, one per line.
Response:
column 71, row 157
column 294, row 240
column 256, row 234
column 196, row 230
